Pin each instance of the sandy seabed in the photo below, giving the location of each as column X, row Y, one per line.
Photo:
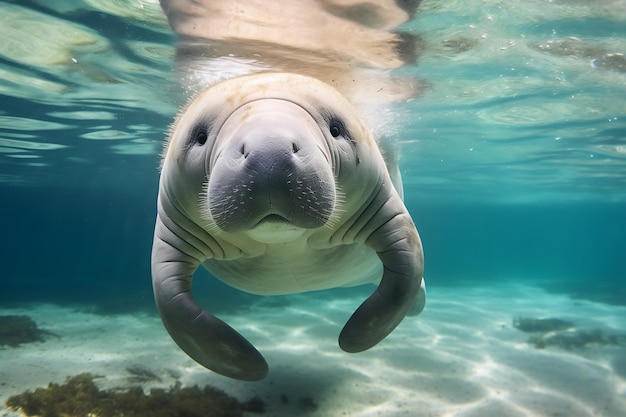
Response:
column 461, row 357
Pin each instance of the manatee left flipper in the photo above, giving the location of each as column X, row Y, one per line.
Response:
column 398, row 246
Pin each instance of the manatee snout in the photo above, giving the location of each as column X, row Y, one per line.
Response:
column 272, row 169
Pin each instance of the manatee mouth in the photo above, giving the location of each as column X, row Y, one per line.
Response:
column 275, row 229
column 271, row 174
column 273, row 218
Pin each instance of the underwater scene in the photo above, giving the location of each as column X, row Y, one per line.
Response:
column 498, row 127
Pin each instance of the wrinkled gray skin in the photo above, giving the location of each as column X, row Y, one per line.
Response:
column 274, row 185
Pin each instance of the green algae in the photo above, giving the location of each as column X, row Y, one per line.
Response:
column 531, row 325
column 579, row 339
column 17, row 330
column 79, row 397
column 555, row 332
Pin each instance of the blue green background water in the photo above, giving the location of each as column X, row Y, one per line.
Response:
column 513, row 155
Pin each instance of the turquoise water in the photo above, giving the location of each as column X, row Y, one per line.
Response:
column 513, row 154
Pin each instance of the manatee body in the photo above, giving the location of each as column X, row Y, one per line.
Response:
column 274, row 184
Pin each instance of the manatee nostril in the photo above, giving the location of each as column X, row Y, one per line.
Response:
column 242, row 150
column 294, row 147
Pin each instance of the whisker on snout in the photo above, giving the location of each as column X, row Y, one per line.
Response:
column 208, row 222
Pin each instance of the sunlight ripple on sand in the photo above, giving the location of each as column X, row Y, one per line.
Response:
column 462, row 357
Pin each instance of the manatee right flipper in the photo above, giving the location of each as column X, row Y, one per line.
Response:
column 205, row 338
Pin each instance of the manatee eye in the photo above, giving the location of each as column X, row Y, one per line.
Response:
column 199, row 135
column 336, row 128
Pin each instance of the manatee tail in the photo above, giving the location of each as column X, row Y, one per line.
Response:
column 420, row 301
column 398, row 246
column 205, row 338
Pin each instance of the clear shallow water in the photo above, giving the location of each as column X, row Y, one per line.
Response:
column 521, row 101
column 513, row 154
column 460, row 358
column 524, row 101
